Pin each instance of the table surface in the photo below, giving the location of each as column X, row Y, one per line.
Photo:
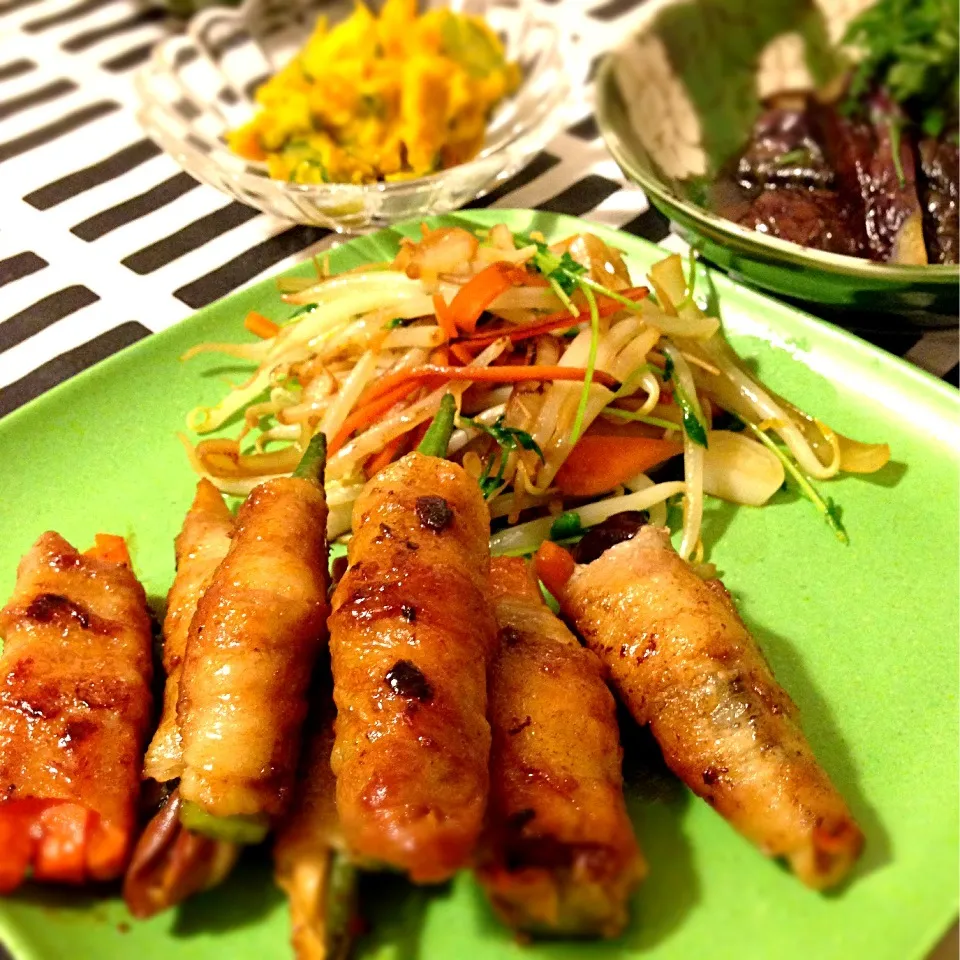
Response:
column 105, row 240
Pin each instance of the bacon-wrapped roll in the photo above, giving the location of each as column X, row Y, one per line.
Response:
column 75, row 708
column 310, row 860
column 252, row 646
column 200, row 546
column 684, row 663
column 410, row 639
column 169, row 862
column 559, row 855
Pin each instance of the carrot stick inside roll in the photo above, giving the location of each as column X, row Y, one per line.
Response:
column 75, row 707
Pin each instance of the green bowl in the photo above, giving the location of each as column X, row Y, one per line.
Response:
column 677, row 100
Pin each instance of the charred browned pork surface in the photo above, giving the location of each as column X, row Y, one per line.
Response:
column 171, row 863
column 251, row 649
column 559, row 855
column 75, row 706
column 686, row 666
column 200, row 546
column 411, row 636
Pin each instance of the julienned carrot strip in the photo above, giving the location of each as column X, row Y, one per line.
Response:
column 110, row 547
column 462, row 353
column 553, row 321
column 554, row 566
column 444, row 317
column 379, row 460
column 261, row 326
column 368, row 411
column 440, row 356
column 481, row 290
column 510, row 374
column 556, row 321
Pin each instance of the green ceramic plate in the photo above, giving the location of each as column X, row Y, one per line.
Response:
column 677, row 100
column 864, row 637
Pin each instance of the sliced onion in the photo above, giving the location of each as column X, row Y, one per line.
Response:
column 740, row 470
column 739, row 392
column 856, row 457
column 528, row 298
column 401, row 338
column 444, row 250
column 339, row 519
column 634, row 355
column 501, row 237
column 514, row 255
column 682, row 316
column 695, row 325
column 604, row 264
column 667, row 279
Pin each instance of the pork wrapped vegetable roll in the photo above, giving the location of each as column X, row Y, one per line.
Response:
column 252, row 646
column 310, row 860
column 75, row 707
column 171, row 863
column 410, row 639
column 560, row 855
column 200, row 547
column 684, row 663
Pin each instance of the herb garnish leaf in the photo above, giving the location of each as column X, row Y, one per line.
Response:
column 910, row 50
column 508, row 439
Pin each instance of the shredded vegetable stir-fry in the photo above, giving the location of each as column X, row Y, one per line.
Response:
column 574, row 387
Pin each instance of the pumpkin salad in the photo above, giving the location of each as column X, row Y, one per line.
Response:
column 380, row 98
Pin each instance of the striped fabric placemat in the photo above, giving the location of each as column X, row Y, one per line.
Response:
column 105, row 240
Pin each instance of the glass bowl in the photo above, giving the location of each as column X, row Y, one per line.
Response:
column 198, row 86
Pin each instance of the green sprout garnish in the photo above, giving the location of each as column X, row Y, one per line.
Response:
column 824, row 505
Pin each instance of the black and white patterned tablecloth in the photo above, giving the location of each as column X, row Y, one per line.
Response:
column 103, row 239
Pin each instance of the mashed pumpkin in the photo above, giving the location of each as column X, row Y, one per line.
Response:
column 380, row 98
